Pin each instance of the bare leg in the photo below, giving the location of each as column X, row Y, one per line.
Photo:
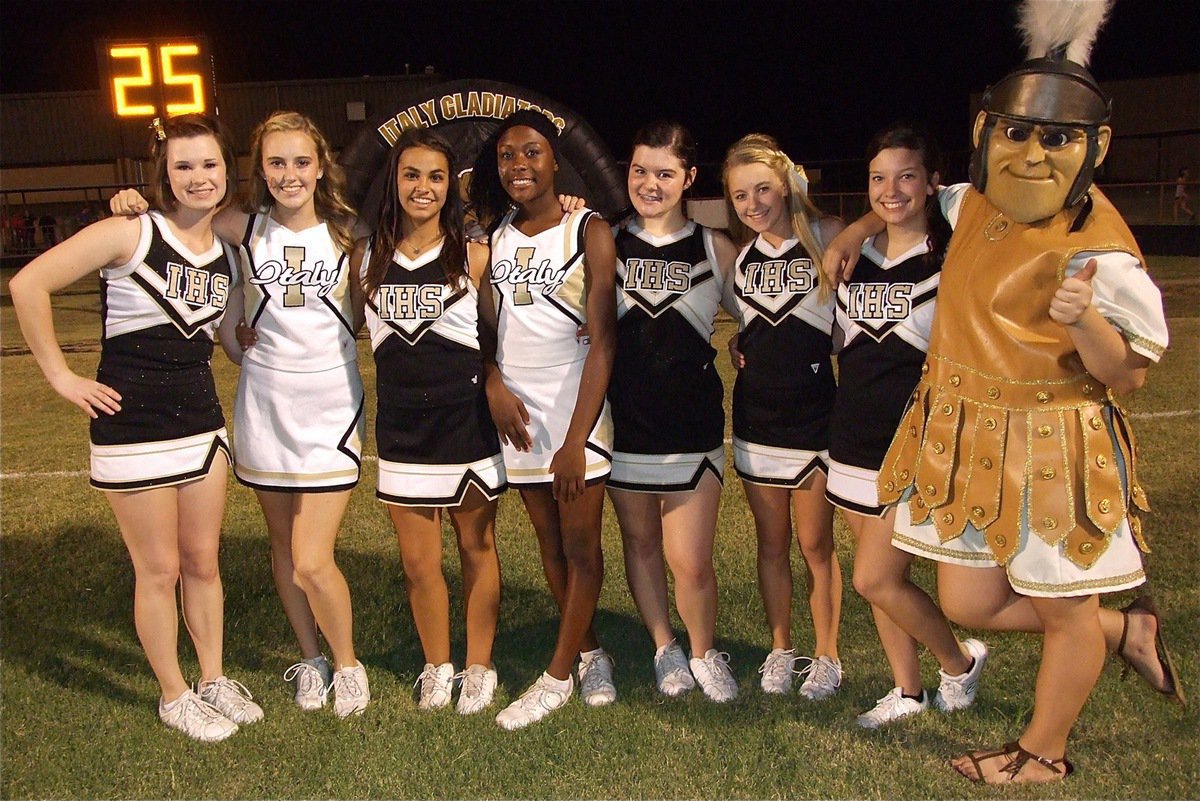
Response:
column 314, row 530
column 201, row 507
column 1072, row 657
column 279, row 509
column 475, row 523
column 148, row 520
column 773, row 526
column 419, row 534
column 582, row 566
column 881, row 576
column 982, row 598
column 639, row 516
column 898, row 646
column 543, row 514
column 689, row 523
column 814, row 532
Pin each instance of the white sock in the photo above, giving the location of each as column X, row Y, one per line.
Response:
column 588, row 656
column 562, row 685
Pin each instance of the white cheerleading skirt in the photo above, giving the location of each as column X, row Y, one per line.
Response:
column 164, row 463
column 776, row 467
column 853, row 489
column 664, row 472
column 549, row 395
column 1037, row 568
column 298, row 432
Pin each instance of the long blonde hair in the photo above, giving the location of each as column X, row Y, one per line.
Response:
column 329, row 198
column 759, row 148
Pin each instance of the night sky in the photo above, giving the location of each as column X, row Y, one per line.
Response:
column 821, row 75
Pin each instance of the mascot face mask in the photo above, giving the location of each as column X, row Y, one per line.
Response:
column 1044, row 128
column 1032, row 169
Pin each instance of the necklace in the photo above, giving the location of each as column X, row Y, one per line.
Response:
column 415, row 248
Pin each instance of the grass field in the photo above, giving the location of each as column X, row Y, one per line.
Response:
column 78, row 701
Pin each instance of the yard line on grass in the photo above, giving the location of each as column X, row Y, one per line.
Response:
column 370, row 458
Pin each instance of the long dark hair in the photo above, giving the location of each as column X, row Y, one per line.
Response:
column 388, row 225
column 913, row 137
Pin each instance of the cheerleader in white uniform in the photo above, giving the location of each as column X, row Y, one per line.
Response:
column 437, row 445
column 885, row 314
column 783, row 398
column 298, row 418
column 159, row 447
column 668, row 419
column 550, row 274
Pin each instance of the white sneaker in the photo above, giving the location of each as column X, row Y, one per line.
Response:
column 478, row 689
column 892, row 707
column 822, row 678
column 437, row 683
column 714, row 676
column 350, row 691
column 596, row 678
column 776, row 671
column 958, row 692
column 313, row 680
column 195, row 717
column 232, row 699
column 671, row 672
column 538, row 701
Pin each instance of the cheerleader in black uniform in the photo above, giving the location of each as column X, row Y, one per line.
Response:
column 783, row 398
column 885, row 313
column 438, row 448
column 668, row 421
column 159, row 447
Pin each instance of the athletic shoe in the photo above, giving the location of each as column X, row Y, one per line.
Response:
column 596, row 678
column 232, row 699
column 892, row 707
column 195, row 717
column 671, row 672
column 958, row 692
column 350, row 691
column 822, row 678
column 437, row 683
column 478, row 689
column 313, row 680
column 776, row 671
column 714, row 676
column 538, row 701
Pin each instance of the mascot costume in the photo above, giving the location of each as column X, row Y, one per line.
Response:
column 1014, row 466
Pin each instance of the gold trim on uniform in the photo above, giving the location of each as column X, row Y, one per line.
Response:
column 1039, row 393
column 1087, row 584
column 1141, row 341
column 921, row 545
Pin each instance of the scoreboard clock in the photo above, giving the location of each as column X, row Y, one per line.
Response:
column 159, row 77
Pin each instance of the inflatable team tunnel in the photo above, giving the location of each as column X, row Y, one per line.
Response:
column 465, row 113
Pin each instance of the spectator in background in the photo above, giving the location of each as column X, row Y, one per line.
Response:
column 1181, row 196
column 17, row 223
column 49, row 228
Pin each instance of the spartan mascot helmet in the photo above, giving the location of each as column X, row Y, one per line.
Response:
column 1053, row 86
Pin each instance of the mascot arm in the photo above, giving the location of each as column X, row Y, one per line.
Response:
column 1127, row 298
